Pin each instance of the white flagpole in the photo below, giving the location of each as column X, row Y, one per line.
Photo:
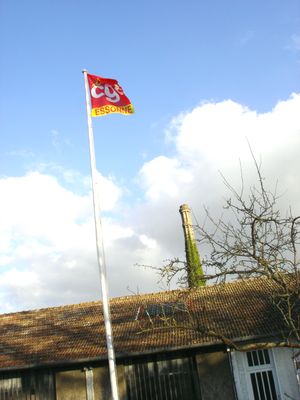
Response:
column 100, row 250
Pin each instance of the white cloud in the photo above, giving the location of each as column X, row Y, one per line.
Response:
column 110, row 193
column 214, row 137
column 163, row 176
column 47, row 243
column 217, row 131
column 36, row 205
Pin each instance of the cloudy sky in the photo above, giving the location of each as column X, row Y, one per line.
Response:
column 204, row 78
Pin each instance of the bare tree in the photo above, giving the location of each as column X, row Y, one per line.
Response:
column 251, row 239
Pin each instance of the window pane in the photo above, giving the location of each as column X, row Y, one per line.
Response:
column 255, row 358
column 261, row 357
column 254, row 386
column 249, row 358
column 266, row 386
column 260, row 386
column 272, row 385
column 267, row 357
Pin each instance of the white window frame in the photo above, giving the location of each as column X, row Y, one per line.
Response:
column 242, row 375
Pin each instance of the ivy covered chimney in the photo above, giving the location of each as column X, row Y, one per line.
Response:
column 195, row 273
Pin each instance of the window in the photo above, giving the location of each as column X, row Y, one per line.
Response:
column 255, row 375
column 261, row 375
column 162, row 379
column 165, row 309
column 33, row 385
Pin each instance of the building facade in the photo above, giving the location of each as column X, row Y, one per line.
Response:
column 216, row 342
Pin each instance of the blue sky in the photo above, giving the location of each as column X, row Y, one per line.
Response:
column 172, row 58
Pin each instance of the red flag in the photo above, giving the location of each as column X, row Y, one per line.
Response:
column 108, row 97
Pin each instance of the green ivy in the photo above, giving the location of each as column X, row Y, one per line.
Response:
column 194, row 267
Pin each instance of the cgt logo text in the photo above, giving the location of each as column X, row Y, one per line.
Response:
column 104, row 110
column 111, row 93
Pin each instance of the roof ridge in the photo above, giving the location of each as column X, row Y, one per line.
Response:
column 131, row 296
column 63, row 306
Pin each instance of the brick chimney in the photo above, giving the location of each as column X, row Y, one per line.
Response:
column 194, row 269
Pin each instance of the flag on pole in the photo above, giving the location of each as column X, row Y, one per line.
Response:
column 107, row 97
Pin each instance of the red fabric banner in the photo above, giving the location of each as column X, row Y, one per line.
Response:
column 107, row 97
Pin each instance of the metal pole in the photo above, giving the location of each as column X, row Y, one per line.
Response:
column 100, row 249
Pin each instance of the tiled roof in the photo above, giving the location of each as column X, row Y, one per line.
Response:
column 240, row 309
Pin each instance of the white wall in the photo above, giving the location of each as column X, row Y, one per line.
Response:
column 286, row 372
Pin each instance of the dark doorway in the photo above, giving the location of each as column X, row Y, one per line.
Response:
column 162, row 379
